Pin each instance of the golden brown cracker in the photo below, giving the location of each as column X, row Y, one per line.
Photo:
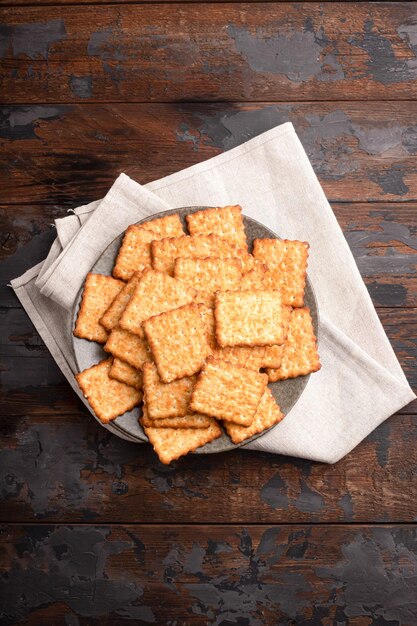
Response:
column 107, row 397
column 300, row 355
column 166, row 399
column 135, row 251
column 112, row 316
column 155, row 293
column 267, row 414
column 172, row 443
column 125, row 373
column 251, row 318
column 287, row 263
column 253, row 279
column 251, row 357
column 99, row 292
column 178, row 341
column 128, row 347
column 193, row 420
column 165, row 252
column 228, row 391
column 227, row 222
column 209, row 275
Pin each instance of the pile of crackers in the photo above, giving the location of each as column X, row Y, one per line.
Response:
column 195, row 327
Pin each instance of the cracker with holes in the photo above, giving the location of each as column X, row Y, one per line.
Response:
column 128, row 347
column 227, row 222
column 165, row 252
column 112, row 316
column 125, row 373
column 135, row 251
column 267, row 415
column 99, row 292
column 209, row 275
column 300, row 356
column 155, row 293
column 228, row 392
column 166, row 399
column 287, row 263
column 172, row 443
column 193, row 420
column 107, row 397
column 178, row 341
column 249, row 318
column 254, row 278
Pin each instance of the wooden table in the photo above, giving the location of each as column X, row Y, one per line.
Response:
column 95, row 530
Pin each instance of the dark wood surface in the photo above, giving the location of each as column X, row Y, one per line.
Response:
column 96, row 530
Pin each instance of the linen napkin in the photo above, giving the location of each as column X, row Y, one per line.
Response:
column 361, row 382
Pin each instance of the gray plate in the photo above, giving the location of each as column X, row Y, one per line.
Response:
column 88, row 353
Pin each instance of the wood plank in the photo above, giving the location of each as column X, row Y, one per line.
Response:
column 63, row 156
column 227, row 575
column 382, row 238
column 67, row 468
column 231, row 51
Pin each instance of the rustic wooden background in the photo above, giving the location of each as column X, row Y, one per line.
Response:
column 94, row 529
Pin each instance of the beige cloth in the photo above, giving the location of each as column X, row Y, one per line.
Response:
column 361, row 382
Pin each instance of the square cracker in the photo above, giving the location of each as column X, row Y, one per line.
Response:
column 267, row 414
column 209, row 275
column 193, row 420
column 251, row 357
column 128, row 347
column 155, row 293
column 166, row 399
column 111, row 317
column 249, row 318
column 300, row 355
column 178, row 342
column 125, row 373
column 171, row 443
column 107, row 397
column 227, row 222
column 99, row 292
column 135, row 251
column 229, row 392
column 287, row 263
column 165, row 252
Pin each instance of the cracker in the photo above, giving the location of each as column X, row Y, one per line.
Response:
column 155, row 293
column 112, row 316
column 128, row 347
column 251, row 357
column 287, row 263
column 267, row 414
column 166, row 399
column 209, row 275
column 227, row 222
column 253, row 279
column 178, row 341
column 99, row 292
column 193, row 420
column 135, row 251
column 125, row 373
column 228, row 391
column 249, row 318
column 165, row 252
column 107, row 397
column 172, row 443
column 300, row 355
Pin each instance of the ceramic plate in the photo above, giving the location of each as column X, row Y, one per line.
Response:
column 87, row 353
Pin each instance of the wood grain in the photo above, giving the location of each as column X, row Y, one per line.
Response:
column 218, row 575
column 231, row 51
column 67, row 468
column 382, row 238
column 62, row 155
